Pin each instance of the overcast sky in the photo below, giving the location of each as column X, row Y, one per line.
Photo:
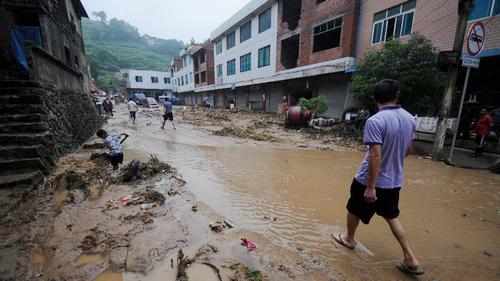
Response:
column 169, row 19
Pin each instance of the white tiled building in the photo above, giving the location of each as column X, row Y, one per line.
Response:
column 182, row 69
column 151, row 83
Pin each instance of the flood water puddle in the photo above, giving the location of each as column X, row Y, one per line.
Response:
column 449, row 213
column 109, row 276
column 85, row 259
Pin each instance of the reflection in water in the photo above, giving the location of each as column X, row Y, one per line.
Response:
column 85, row 259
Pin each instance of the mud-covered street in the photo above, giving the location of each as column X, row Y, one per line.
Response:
column 284, row 190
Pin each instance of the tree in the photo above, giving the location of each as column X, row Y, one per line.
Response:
column 413, row 64
column 101, row 15
column 317, row 105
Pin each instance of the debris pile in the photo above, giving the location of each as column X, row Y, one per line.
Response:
column 247, row 133
column 138, row 198
column 138, row 171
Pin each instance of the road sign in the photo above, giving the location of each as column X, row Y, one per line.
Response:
column 476, row 38
column 471, row 62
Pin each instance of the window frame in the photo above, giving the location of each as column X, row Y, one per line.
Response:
column 249, row 24
column 166, row 80
column 233, row 33
column 233, row 63
column 220, row 70
column 490, row 12
column 270, row 20
column 259, row 65
column 154, row 80
column 383, row 34
column 314, row 34
column 247, row 64
column 217, row 45
column 137, row 80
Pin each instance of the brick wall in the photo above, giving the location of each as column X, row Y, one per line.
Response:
column 313, row 14
column 435, row 19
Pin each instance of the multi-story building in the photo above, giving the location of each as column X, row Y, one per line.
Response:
column 203, row 64
column 273, row 49
column 46, row 108
column 151, row 83
column 182, row 71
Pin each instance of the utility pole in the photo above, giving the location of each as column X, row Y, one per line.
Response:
column 464, row 7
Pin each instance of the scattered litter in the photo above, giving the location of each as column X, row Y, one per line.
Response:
column 38, row 275
column 486, row 253
column 271, row 217
column 228, row 224
column 144, row 199
column 248, row 244
column 136, row 170
column 147, row 206
column 217, row 226
column 194, row 208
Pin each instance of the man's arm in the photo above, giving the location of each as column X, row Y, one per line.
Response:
column 373, row 170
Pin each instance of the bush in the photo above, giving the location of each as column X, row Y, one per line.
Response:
column 317, row 105
column 413, row 64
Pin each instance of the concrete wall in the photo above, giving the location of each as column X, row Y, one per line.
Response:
column 146, row 79
column 252, row 45
column 334, row 88
column 435, row 19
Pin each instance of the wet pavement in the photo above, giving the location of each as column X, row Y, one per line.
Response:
column 452, row 215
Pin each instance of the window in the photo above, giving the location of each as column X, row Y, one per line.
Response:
column 230, row 40
column 197, row 79
column 246, row 62
column 187, row 81
column 138, row 78
column 219, row 70
column 203, row 77
column 178, row 81
column 218, row 47
column 154, row 79
column 190, row 77
column 484, row 8
column 319, row 1
column 327, row 35
column 265, row 56
column 166, row 80
column 76, row 62
column 231, row 67
column 393, row 22
column 68, row 55
column 265, row 20
column 246, row 31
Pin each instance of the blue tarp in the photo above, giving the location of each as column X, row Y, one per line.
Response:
column 17, row 47
column 30, row 34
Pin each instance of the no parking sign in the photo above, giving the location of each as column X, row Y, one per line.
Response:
column 476, row 38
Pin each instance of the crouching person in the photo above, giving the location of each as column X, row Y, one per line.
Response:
column 114, row 144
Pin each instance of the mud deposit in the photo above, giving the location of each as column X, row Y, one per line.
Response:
column 88, row 223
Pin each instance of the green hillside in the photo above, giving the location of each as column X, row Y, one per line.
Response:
column 113, row 45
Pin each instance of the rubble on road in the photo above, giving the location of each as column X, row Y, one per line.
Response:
column 138, row 198
column 140, row 171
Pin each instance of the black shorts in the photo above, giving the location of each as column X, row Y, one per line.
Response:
column 116, row 159
column 132, row 114
column 385, row 206
column 168, row 116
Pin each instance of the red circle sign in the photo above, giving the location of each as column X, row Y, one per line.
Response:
column 476, row 38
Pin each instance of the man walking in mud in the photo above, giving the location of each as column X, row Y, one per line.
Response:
column 168, row 113
column 376, row 186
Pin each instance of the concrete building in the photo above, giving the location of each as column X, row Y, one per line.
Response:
column 203, row 67
column 273, row 49
column 182, row 71
column 436, row 20
column 46, row 109
column 151, row 83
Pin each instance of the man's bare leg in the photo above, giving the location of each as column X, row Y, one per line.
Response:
column 163, row 125
column 173, row 124
column 399, row 232
column 352, row 225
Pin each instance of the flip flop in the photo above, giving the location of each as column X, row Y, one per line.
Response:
column 338, row 237
column 410, row 270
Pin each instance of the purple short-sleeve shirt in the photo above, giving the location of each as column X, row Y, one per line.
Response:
column 393, row 128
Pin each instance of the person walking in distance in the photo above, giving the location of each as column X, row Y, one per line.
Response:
column 110, row 106
column 168, row 113
column 132, row 109
column 376, row 186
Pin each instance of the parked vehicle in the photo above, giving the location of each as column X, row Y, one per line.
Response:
column 139, row 98
column 162, row 99
column 151, row 103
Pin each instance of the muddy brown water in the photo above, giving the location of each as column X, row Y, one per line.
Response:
column 450, row 214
